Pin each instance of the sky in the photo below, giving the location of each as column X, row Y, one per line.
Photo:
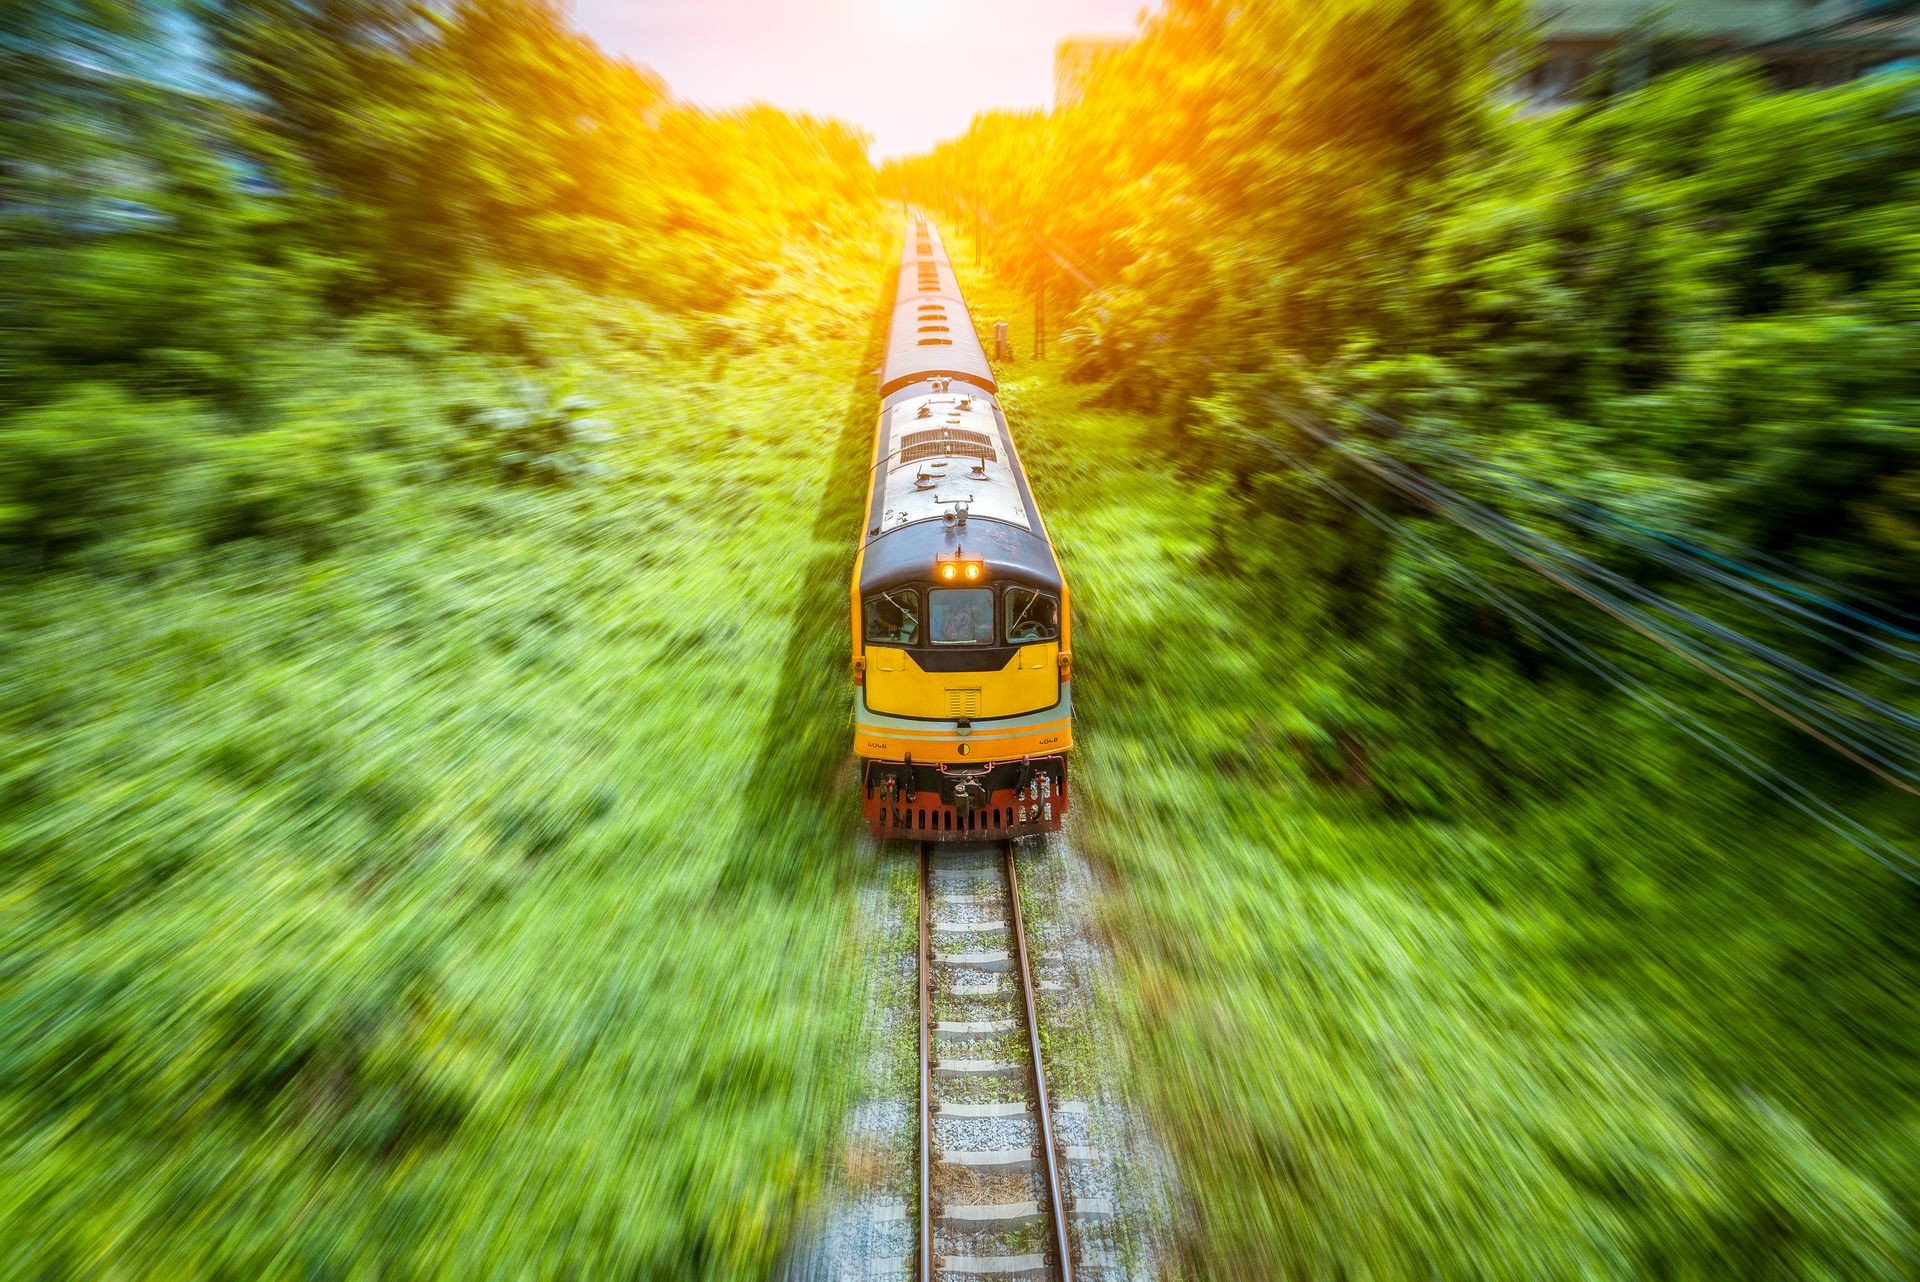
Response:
column 909, row 72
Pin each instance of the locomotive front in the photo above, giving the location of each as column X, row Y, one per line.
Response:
column 961, row 621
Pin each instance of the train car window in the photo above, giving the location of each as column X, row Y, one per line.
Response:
column 960, row 616
column 893, row 618
column 1031, row 616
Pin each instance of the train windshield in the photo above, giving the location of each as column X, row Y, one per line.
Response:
column 1031, row 616
column 893, row 618
column 960, row 616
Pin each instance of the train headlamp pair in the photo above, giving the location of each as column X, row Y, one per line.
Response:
column 959, row 572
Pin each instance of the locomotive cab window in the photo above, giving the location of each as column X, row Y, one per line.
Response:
column 893, row 618
column 960, row 616
column 1031, row 617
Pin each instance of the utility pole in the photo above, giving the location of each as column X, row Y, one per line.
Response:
column 1040, row 321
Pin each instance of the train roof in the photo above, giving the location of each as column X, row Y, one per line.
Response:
column 946, row 478
column 931, row 333
column 907, row 555
column 942, row 452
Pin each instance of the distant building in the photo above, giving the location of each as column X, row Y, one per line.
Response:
column 1073, row 62
column 1800, row 43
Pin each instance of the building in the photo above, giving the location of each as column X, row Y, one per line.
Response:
column 1585, row 44
column 1073, row 61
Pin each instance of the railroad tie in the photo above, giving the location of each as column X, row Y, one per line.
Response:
column 1003, row 1266
column 971, row 1068
column 958, row 1029
column 994, row 1215
column 1089, row 1208
column 968, row 927
column 992, row 1161
column 1015, row 1108
column 992, row 959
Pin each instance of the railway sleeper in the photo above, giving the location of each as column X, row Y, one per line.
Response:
column 998, row 1266
column 991, row 1215
column 1089, row 1209
column 992, row 1161
column 987, row 959
column 1002, row 1108
column 955, row 1030
column 971, row 1068
column 968, row 927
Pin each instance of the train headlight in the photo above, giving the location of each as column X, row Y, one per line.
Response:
column 959, row 569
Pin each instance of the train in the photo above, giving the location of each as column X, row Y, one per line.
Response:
column 962, row 622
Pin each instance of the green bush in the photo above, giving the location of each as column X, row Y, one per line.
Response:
column 535, row 437
column 100, row 463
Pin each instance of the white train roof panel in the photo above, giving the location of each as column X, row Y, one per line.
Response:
column 944, row 452
column 931, row 332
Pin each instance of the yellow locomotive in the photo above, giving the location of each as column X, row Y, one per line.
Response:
column 962, row 657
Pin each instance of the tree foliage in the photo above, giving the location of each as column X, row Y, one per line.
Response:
column 197, row 201
column 1694, row 302
column 377, row 383
column 1453, row 957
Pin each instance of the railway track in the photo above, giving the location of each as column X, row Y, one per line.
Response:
column 993, row 1200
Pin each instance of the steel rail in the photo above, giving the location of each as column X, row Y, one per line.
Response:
column 926, row 1074
column 1049, row 1153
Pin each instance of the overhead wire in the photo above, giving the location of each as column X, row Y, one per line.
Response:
column 1577, row 574
column 1686, row 547
column 1790, row 790
column 1890, row 756
column 1846, row 738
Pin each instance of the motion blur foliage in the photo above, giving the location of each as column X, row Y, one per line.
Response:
column 1450, row 955
column 1233, row 177
column 486, row 128
column 1694, row 304
column 1471, row 969
column 202, row 214
column 377, row 386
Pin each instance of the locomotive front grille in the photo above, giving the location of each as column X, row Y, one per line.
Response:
column 963, row 701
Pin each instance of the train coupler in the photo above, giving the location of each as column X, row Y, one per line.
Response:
column 937, row 802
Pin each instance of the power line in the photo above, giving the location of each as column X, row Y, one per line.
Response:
column 1577, row 574
column 1806, row 716
column 1874, row 748
column 1830, row 817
